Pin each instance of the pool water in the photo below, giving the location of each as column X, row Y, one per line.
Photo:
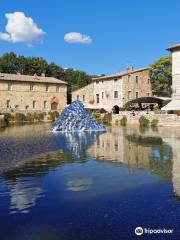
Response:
column 89, row 185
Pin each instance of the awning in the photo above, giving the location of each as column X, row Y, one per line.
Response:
column 97, row 107
column 150, row 100
column 173, row 105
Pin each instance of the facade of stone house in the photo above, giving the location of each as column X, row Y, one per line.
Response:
column 115, row 90
column 174, row 105
column 31, row 93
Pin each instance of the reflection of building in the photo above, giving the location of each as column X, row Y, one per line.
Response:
column 175, row 143
column 174, row 105
column 115, row 146
column 112, row 92
column 31, row 93
column 147, row 151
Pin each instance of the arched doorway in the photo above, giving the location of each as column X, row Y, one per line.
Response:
column 115, row 109
column 54, row 106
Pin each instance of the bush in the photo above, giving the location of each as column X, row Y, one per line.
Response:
column 144, row 122
column 154, row 123
column 53, row 115
column 19, row 117
column 30, row 117
column 123, row 121
column 3, row 123
column 156, row 110
column 97, row 116
column 128, row 106
column 107, row 119
column 8, row 117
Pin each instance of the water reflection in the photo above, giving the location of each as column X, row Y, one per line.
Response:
column 77, row 185
column 78, row 142
column 157, row 151
column 25, row 181
column 25, row 159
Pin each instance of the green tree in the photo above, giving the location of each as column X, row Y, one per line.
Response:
column 161, row 76
column 11, row 63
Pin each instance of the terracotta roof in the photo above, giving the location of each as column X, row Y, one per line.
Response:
column 173, row 47
column 27, row 78
column 119, row 74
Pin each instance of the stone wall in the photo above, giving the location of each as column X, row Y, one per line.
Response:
column 109, row 91
column 163, row 119
column 21, row 98
column 136, row 84
column 85, row 94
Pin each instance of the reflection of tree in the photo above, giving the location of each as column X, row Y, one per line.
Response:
column 39, row 164
column 143, row 140
column 135, row 151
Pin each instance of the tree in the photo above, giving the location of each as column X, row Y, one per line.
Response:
column 11, row 63
column 161, row 76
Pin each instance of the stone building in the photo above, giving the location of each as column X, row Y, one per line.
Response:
column 174, row 105
column 31, row 93
column 113, row 91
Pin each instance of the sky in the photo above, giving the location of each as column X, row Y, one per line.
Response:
column 96, row 36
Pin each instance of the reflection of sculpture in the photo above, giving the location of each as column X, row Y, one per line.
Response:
column 78, row 142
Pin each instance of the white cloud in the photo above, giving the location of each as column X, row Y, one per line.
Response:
column 22, row 29
column 75, row 37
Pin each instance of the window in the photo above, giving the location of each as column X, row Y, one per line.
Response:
column 129, row 94
column 45, row 104
column 149, row 81
column 47, row 88
column 102, row 81
column 136, row 94
column 115, row 80
column 102, row 95
column 9, row 86
column 136, row 79
column 83, row 98
column 77, row 97
column 31, row 87
column 116, row 146
column 97, row 98
column 148, row 94
column 34, row 104
column 129, row 76
column 57, row 89
column 115, row 94
column 97, row 82
column 8, row 103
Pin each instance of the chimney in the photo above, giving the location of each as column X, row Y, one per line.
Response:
column 129, row 68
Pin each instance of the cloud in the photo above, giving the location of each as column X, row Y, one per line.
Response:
column 75, row 37
column 21, row 29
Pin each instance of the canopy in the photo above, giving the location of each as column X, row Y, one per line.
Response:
column 173, row 105
column 147, row 100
